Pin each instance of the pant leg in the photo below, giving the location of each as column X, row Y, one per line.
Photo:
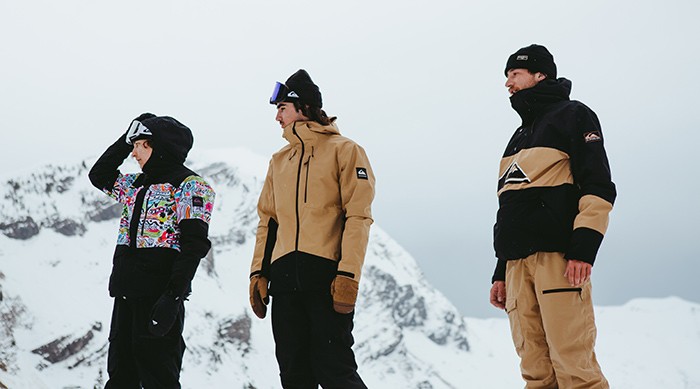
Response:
column 121, row 366
column 158, row 359
column 526, row 325
column 291, row 330
column 568, row 320
column 332, row 358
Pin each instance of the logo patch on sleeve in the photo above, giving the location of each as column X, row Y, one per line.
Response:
column 197, row 201
column 361, row 173
column 593, row 136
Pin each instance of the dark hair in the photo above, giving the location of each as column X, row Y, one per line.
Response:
column 315, row 114
column 147, row 141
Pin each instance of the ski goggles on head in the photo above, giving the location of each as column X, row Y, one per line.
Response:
column 137, row 131
column 282, row 93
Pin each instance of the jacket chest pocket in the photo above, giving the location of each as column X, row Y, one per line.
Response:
column 307, row 172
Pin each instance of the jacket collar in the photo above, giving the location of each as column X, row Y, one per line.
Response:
column 530, row 103
column 308, row 131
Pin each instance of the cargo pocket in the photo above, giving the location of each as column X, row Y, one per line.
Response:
column 514, row 319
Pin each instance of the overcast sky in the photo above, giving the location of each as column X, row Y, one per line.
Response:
column 418, row 84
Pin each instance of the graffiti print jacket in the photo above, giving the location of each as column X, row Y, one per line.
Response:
column 163, row 230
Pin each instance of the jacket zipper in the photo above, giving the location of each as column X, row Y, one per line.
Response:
column 136, row 216
column 296, row 200
column 145, row 214
column 301, row 163
column 308, row 167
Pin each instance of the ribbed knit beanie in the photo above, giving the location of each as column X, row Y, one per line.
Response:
column 535, row 58
column 308, row 92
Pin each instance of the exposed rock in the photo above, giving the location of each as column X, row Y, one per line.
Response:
column 21, row 229
column 106, row 212
column 68, row 227
column 66, row 346
column 12, row 317
column 208, row 263
column 236, row 331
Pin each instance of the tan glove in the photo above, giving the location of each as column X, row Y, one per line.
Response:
column 344, row 292
column 258, row 296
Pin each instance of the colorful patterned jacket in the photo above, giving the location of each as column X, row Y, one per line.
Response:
column 163, row 230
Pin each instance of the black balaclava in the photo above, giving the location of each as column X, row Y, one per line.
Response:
column 171, row 141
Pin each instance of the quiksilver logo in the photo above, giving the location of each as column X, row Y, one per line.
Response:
column 521, row 58
column 513, row 175
column 593, row 136
column 292, row 94
column 361, row 173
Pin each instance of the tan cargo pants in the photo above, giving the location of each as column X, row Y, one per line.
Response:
column 552, row 324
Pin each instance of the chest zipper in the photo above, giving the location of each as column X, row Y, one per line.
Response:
column 145, row 214
column 301, row 162
column 136, row 216
column 308, row 167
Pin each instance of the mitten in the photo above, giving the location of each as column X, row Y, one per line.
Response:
column 258, row 295
column 344, row 291
column 164, row 313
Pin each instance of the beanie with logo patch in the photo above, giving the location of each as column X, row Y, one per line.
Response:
column 535, row 58
column 307, row 92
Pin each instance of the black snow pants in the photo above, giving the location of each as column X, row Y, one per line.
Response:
column 137, row 359
column 313, row 342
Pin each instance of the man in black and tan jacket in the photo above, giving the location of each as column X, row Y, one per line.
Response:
column 315, row 217
column 555, row 193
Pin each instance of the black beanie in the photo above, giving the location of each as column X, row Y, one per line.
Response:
column 308, row 92
column 535, row 58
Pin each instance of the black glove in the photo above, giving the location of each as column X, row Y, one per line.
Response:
column 164, row 314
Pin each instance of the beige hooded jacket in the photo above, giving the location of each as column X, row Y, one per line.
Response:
column 318, row 193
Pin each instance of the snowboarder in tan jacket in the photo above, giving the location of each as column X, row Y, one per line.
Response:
column 315, row 217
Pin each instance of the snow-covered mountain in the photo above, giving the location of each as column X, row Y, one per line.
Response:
column 58, row 235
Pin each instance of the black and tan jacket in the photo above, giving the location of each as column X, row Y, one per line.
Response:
column 554, row 188
column 315, row 210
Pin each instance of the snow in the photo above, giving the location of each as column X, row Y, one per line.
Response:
column 408, row 335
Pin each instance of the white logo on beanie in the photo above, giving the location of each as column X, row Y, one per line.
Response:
column 521, row 58
column 292, row 94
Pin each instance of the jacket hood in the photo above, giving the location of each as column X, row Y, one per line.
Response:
column 529, row 103
column 171, row 142
column 309, row 128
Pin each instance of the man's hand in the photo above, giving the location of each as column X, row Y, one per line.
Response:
column 498, row 294
column 258, row 296
column 578, row 272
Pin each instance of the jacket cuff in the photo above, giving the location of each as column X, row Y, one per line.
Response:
column 584, row 246
column 499, row 274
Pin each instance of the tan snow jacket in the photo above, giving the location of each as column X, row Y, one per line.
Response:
column 318, row 194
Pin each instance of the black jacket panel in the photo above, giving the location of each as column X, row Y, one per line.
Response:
column 555, row 189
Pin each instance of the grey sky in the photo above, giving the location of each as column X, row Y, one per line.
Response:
column 419, row 86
